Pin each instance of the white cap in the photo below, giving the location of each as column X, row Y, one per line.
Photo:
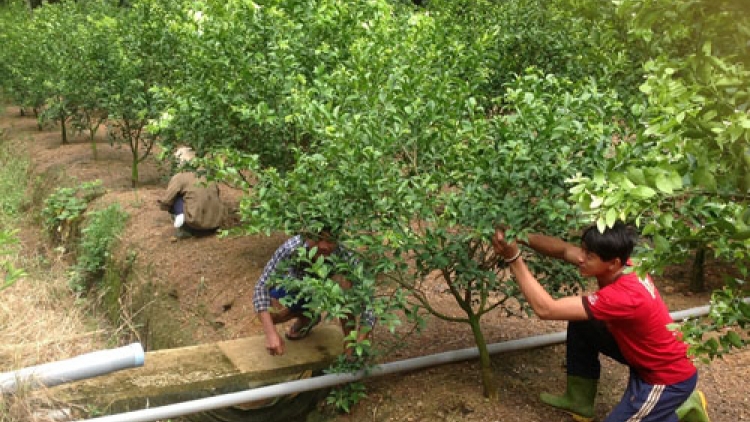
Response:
column 184, row 154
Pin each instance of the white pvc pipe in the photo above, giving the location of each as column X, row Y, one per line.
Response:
column 80, row 367
column 693, row 312
column 325, row 381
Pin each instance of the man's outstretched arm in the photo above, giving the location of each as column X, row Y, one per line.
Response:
column 554, row 247
column 544, row 305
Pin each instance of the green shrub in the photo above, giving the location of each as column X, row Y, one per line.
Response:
column 97, row 240
column 64, row 208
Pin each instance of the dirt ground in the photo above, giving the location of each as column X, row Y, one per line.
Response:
column 209, row 282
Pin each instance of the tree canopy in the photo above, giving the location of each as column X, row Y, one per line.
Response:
column 417, row 129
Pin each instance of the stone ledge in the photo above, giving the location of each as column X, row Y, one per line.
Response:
column 173, row 375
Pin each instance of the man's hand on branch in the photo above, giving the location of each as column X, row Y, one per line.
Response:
column 508, row 251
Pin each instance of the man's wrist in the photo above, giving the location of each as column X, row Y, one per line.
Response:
column 513, row 258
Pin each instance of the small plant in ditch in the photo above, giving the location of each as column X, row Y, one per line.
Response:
column 64, row 208
column 98, row 238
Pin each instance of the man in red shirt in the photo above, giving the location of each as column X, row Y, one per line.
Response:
column 625, row 319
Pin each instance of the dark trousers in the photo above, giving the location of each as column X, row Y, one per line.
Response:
column 586, row 339
column 178, row 206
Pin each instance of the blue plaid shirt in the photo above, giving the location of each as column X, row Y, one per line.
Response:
column 287, row 251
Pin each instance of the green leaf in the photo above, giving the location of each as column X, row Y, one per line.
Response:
column 661, row 243
column 577, row 188
column 601, row 224
column 734, row 339
column 599, row 177
column 611, row 217
column 666, row 220
column 703, row 177
column 643, row 192
column 664, row 184
column 637, row 176
column 675, row 180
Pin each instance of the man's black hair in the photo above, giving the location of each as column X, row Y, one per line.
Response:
column 316, row 227
column 616, row 242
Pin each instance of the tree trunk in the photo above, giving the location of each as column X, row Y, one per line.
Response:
column 697, row 276
column 38, row 122
column 488, row 378
column 134, row 170
column 63, row 130
column 134, row 142
column 93, row 144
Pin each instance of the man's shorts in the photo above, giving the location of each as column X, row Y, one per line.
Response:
column 644, row 402
column 296, row 307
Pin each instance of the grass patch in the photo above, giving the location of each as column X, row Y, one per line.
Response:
column 13, row 172
column 14, row 167
column 41, row 320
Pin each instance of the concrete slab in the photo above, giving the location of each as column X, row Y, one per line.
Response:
column 173, row 375
column 249, row 354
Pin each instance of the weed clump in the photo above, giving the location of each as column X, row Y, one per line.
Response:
column 64, row 208
column 95, row 247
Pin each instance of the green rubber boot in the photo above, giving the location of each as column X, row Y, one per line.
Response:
column 578, row 399
column 181, row 233
column 695, row 409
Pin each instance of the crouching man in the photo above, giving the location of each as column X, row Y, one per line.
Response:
column 625, row 319
column 285, row 263
column 194, row 204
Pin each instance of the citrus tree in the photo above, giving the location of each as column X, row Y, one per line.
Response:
column 685, row 174
column 58, row 60
column 23, row 68
column 52, row 28
column 94, row 31
column 240, row 96
column 145, row 56
column 74, row 40
column 233, row 96
column 416, row 164
column 416, row 130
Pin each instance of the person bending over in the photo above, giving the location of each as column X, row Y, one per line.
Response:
column 194, row 204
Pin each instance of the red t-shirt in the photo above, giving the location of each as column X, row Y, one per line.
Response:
column 636, row 316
